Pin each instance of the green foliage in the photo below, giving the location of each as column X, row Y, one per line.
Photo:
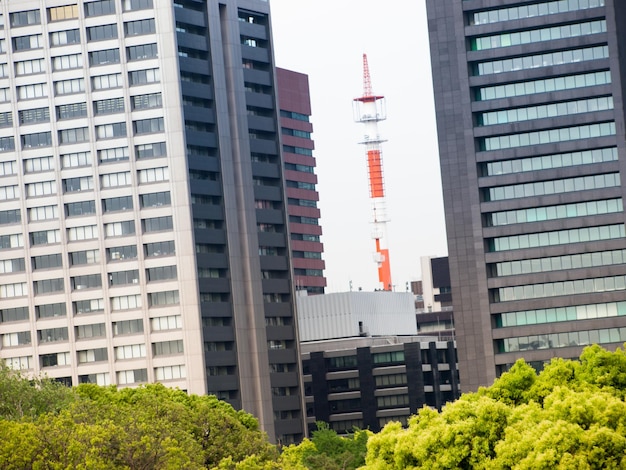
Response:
column 23, row 398
column 327, row 451
column 571, row 416
column 101, row 428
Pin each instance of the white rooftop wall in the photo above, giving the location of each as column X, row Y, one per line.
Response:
column 338, row 315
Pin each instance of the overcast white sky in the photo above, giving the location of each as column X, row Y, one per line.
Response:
column 326, row 39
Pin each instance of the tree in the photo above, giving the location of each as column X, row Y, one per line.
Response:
column 571, row 415
column 326, row 450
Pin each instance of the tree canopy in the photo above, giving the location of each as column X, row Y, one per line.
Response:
column 572, row 415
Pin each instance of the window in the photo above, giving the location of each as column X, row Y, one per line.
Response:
column 43, row 213
column 89, row 281
column 28, row 67
column 114, row 204
column 171, row 322
column 71, row 111
column 16, row 265
column 44, row 188
column 16, row 339
column 92, row 355
column 157, row 224
column 112, row 180
column 130, row 5
column 4, row 70
column 35, row 165
column 76, row 209
column 47, row 286
column 127, row 327
column 111, row 131
column 66, row 12
column 88, row 306
column 97, row 330
column 152, row 175
column 50, row 310
column 140, row 77
column 150, row 150
column 155, row 199
column 24, row 43
column 170, row 372
column 7, row 144
column 106, row 56
column 84, row 183
column 102, row 32
column 11, row 241
column 132, row 376
column 6, row 119
column 103, row 82
column 100, row 7
column 62, row 38
column 125, row 302
column 103, row 379
column 40, row 139
column 161, row 273
column 72, row 136
column 87, row 232
column 167, row 348
column 45, row 237
column 136, row 28
column 130, row 351
column 30, row 92
column 159, row 249
column 19, row 363
column 142, row 51
column 54, row 359
column 25, row 18
column 80, row 258
column 119, row 229
column 163, row 298
column 113, row 154
column 148, row 126
column 67, row 62
column 8, row 168
column 75, row 160
column 66, row 87
column 110, row 106
column 33, row 116
column 4, row 95
column 122, row 252
column 152, row 100
column 12, row 216
column 120, row 278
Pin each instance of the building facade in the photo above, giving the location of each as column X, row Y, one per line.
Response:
column 368, row 382
column 530, row 118
column 301, row 181
column 143, row 229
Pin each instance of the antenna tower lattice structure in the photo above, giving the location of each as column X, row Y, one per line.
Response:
column 369, row 109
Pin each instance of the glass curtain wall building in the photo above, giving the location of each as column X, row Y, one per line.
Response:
column 143, row 228
column 530, row 117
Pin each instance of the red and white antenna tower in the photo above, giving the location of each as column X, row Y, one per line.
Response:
column 369, row 109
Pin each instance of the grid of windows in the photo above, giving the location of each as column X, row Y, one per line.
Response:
column 530, row 11
column 557, row 263
column 561, row 340
column 561, row 314
column 537, row 214
column 545, row 85
column 560, row 237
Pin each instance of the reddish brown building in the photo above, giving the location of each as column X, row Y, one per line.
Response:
column 301, row 181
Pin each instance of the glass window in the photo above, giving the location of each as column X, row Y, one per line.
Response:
column 100, row 7
column 66, row 12
column 62, row 38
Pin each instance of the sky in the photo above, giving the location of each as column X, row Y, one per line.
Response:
column 326, row 40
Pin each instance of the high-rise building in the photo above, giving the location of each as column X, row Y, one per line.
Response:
column 143, row 230
column 301, row 181
column 530, row 117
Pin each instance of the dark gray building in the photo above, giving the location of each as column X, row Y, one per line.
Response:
column 530, row 117
column 143, row 223
column 367, row 382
